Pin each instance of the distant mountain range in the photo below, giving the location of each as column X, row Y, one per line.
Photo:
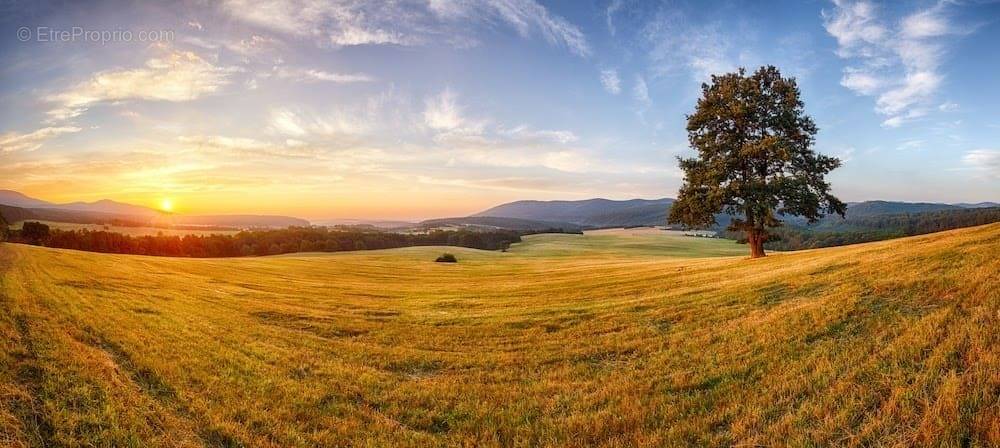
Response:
column 978, row 205
column 16, row 206
column 588, row 213
column 598, row 213
column 868, row 208
column 386, row 224
column 518, row 215
column 16, row 199
column 496, row 222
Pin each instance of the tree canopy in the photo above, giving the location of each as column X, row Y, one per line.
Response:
column 755, row 159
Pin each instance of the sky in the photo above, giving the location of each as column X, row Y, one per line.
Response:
column 432, row 108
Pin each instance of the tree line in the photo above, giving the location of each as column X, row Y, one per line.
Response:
column 255, row 242
column 863, row 229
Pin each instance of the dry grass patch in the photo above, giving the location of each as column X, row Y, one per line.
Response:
column 892, row 343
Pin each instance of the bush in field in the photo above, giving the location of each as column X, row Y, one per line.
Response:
column 446, row 258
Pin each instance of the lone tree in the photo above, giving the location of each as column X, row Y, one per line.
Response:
column 755, row 158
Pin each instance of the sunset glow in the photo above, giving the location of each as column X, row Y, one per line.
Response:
column 452, row 223
column 418, row 110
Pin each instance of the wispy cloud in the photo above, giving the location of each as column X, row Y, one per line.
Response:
column 242, row 146
column 896, row 60
column 339, row 23
column 17, row 142
column 846, row 155
column 640, row 92
column 344, row 123
column 352, row 23
column 948, row 106
column 856, row 28
column 442, row 113
column 910, row 144
column 527, row 17
column 525, row 133
column 983, row 161
column 477, row 142
column 312, row 75
column 176, row 76
column 301, row 124
column 610, row 81
column 861, row 81
column 929, row 23
column 609, row 15
column 701, row 50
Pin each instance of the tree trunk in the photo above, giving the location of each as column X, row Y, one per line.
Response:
column 755, row 238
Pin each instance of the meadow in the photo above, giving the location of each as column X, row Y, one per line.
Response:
column 565, row 340
column 626, row 243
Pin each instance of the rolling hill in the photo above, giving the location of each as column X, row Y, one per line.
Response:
column 606, row 213
column 589, row 213
column 518, row 224
column 978, row 204
column 14, row 214
column 16, row 199
column 17, row 207
column 895, row 343
column 104, row 206
column 869, row 208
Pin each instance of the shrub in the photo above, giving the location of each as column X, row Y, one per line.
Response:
column 446, row 258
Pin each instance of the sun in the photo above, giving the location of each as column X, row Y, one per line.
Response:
column 167, row 205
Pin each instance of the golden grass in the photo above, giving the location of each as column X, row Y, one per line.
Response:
column 895, row 343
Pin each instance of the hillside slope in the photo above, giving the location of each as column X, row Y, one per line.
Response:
column 895, row 343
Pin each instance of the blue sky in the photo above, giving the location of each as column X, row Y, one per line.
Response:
column 416, row 109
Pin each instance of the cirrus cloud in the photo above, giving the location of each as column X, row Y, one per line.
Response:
column 16, row 142
column 354, row 22
column 175, row 77
column 983, row 161
column 899, row 65
column 610, row 81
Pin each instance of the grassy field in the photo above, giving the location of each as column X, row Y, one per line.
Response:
column 626, row 243
column 128, row 230
column 895, row 343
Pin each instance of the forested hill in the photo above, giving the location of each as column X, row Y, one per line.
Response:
column 589, row 213
column 861, row 228
column 494, row 222
column 597, row 213
column 869, row 208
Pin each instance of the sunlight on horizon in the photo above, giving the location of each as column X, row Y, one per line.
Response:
column 450, row 108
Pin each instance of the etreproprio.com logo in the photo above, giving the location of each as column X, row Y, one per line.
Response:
column 81, row 34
